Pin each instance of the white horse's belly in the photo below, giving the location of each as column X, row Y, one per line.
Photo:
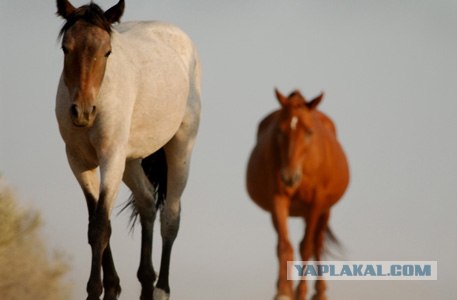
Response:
column 154, row 124
column 150, row 136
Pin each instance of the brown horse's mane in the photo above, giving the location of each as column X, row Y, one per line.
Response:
column 91, row 13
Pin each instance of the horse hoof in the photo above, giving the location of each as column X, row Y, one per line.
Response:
column 283, row 297
column 111, row 296
column 160, row 294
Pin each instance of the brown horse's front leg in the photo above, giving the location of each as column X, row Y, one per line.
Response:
column 321, row 229
column 312, row 243
column 307, row 245
column 280, row 214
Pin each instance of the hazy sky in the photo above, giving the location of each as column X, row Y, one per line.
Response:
column 389, row 70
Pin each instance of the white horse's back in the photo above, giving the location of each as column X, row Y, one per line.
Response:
column 167, row 33
column 168, row 65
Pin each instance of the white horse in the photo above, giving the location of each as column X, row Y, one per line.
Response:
column 128, row 103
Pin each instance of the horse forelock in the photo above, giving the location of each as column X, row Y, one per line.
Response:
column 90, row 13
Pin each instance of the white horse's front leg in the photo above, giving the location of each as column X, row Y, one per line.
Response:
column 112, row 166
column 86, row 175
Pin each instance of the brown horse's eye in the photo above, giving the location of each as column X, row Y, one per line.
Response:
column 65, row 50
column 108, row 53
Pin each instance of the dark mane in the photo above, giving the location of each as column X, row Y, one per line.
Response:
column 91, row 13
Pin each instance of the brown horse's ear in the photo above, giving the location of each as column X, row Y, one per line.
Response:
column 282, row 100
column 315, row 102
column 114, row 14
column 65, row 8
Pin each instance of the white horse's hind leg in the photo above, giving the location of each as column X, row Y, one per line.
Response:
column 178, row 152
column 143, row 192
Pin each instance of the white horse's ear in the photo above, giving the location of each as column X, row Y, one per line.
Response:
column 282, row 100
column 115, row 13
column 315, row 102
column 65, row 8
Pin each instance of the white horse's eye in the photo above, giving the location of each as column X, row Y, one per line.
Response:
column 108, row 53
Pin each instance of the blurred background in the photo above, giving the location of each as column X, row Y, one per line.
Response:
column 389, row 71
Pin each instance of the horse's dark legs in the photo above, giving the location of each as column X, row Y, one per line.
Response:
column 177, row 152
column 110, row 278
column 98, row 235
column 169, row 219
column 143, row 192
column 146, row 274
column 111, row 282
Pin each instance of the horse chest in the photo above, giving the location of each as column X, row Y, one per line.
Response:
column 305, row 193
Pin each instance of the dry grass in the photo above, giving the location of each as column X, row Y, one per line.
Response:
column 26, row 270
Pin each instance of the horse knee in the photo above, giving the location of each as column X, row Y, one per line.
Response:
column 99, row 232
column 285, row 248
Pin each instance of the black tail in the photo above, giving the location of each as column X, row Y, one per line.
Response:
column 156, row 169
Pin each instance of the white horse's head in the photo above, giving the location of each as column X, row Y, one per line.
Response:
column 86, row 43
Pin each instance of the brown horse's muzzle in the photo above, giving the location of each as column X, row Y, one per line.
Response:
column 289, row 178
column 83, row 116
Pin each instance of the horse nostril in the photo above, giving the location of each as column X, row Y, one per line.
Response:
column 290, row 180
column 94, row 110
column 74, row 111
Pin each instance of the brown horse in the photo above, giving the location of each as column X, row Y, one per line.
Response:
column 299, row 169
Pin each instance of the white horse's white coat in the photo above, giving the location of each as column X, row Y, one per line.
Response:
column 149, row 98
column 151, row 86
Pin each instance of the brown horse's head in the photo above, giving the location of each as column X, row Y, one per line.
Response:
column 86, row 43
column 295, row 136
